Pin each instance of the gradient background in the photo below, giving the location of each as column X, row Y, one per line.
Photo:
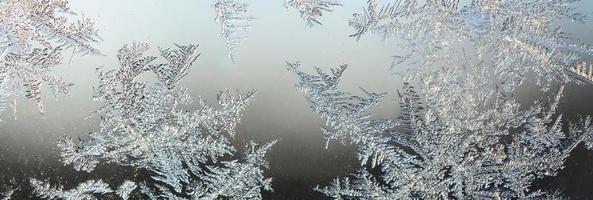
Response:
column 299, row 160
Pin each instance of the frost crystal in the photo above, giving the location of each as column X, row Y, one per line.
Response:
column 84, row 191
column 125, row 189
column 33, row 34
column 234, row 23
column 143, row 127
column 312, row 10
column 458, row 135
column 509, row 37
column 7, row 195
column 455, row 137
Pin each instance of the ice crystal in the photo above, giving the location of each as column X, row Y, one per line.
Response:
column 8, row 189
column 7, row 194
column 33, row 35
column 83, row 191
column 185, row 151
column 234, row 23
column 458, row 134
column 455, row 137
column 312, row 10
column 125, row 189
column 502, row 34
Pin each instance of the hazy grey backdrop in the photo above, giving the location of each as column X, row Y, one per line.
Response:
column 299, row 160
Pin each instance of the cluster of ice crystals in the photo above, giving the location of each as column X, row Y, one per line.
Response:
column 234, row 23
column 6, row 195
column 312, row 10
column 455, row 137
column 185, row 151
column 459, row 134
column 511, row 38
column 125, row 189
column 33, row 36
column 84, row 191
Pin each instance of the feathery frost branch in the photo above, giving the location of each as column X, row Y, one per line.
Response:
column 234, row 23
column 84, row 191
column 511, row 38
column 33, row 36
column 456, row 137
column 143, row 127
column 312, row 10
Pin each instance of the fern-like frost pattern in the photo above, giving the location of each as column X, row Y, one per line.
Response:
column 144, row 127
column 312, row 10
column 234, row 23
column 87, row 190
column 33, row 36
column 455, row 137
column 511, row 38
